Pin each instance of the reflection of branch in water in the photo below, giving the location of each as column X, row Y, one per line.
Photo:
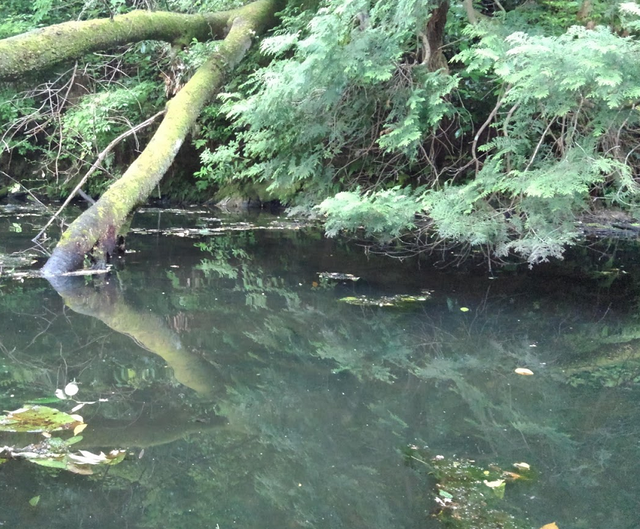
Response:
column 147, row 330
column 145, row 432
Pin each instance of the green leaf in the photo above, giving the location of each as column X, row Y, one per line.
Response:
column 51, row 463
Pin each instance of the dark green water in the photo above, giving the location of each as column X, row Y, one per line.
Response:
column 248, row 395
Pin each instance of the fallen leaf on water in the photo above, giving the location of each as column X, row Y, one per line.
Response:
column 87, row 458
column 551, row 525
column 71, row 389
column 511, row 475
column 79, row 428
column 522, row 466
column 497, row 487
column 524, row 371
column 464, row 309
column 34, row 501
column 37, row 419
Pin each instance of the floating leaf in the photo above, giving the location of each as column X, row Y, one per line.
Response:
column 522, row 466
column 498, row 487
column 524, row 371
column 116, row 456
column 511, row 475
column 337, row 276
column 445, row 494
column 464, row 309
column 79, row 428
column 551, row 525
column 38, row 419
column 88, row 458
column 51, row 463
column 385, row 301
column 79, row 469
column 34, row 501
column 71, row 389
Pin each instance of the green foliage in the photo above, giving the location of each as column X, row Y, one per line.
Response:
column 338, row 99
column 383, row 214
column 99, row 117
column 342, row 114
column 559, row 139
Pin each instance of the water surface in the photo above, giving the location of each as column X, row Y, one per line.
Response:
column 248, row 395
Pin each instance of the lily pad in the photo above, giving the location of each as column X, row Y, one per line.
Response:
column 38, row 419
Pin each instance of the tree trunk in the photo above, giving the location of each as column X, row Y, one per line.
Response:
column 48, row 46
column 435, row 37
column 97, row 228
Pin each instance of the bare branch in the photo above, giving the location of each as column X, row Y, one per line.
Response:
column 96, row 166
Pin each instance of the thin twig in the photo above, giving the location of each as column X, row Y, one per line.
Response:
column 27, row 190
column 96, row 166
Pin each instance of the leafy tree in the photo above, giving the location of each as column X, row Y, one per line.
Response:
column 495, row 124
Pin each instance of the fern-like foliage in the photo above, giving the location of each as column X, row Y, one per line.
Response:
column 339, row 99
column 561, row 138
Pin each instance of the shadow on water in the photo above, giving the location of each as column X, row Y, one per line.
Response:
column 250, row 395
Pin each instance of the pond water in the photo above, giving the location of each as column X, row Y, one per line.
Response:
column 249, row 394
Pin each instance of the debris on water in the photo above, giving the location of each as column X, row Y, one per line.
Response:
column 37, row 419
column 336, row 276
column 466, row 494
column 50, row 451
column 399, row 300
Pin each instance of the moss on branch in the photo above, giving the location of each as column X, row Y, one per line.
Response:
column 99, row 225
column 49, row 46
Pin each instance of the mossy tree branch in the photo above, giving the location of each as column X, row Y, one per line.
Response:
column 99, row 225
column 46, row 47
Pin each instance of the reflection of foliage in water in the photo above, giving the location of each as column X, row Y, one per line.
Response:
column 319, row 395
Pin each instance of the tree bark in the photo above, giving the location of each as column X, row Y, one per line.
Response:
column 49, row 46
column 435, row 37
column 97, row 228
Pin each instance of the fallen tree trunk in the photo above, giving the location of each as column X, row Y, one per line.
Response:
column 49, row 46
column 97, row 228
